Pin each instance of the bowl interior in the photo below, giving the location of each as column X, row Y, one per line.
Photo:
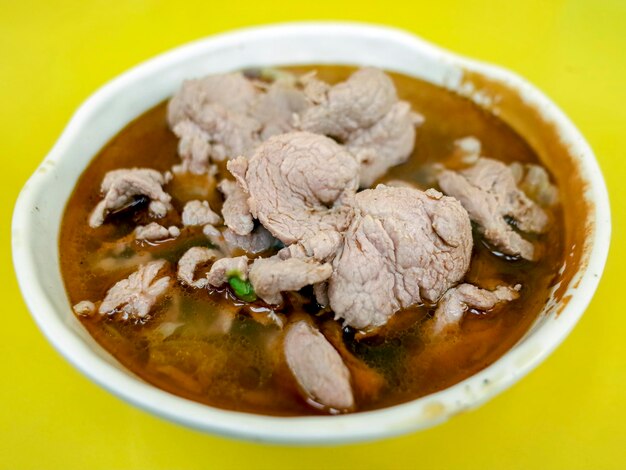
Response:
column 40, row 208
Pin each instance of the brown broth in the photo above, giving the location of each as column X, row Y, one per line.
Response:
column 244, row 369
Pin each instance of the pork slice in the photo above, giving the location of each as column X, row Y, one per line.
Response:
column 357, row 103
column 387, row 143
column 403, row 247
column 271, row 276
column 120, row 187
column 199, row 213
column 298, row 184
column 321, row 247
column 231, row 91
column 317, row 367
column 459, row 299
column 534, row 180
column 235, row 210
column 190, row 261
column 156, row 232
column 135, row 296
column 258, row 241
column 275, row 108
column 194, row 148
column 224, row 268
column 489, row 193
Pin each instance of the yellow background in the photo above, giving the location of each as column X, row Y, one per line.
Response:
column 570, row 413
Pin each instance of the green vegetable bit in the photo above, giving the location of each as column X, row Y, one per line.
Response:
column 242, row 289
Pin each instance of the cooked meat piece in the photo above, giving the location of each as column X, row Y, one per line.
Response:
column 318, row 367
column 275, row 108
column 134, row 297
column 258, row 241
column 194, row 148
column 364, row 114
column 298, row 184
column 235, row 210
column 535, row 182
column 231, row 91
column 224, row 268
column 84, row 308
column 215, row 109
column 271, row 276
column 120, row 187
column 359, row 102
column 321, row 247
column 387, row 143
column 156, row 232
column 199, row 213
column 459, row 299
column 314, row 88
column 403, row 247
column 190, row 261
column 223, row 116
column 488, row 192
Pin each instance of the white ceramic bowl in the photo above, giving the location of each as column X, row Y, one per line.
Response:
column 40, row 207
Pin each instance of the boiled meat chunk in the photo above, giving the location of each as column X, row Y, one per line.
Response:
column 258, row 241
column 357, row 103
column 189, row 262
column 121, row 187
column 459, row 299
column 156, row 232
column 365, row 115
column 321, row 247
column 235, row 211
column 224, row 268
column 317, row 367
column 403, row 247
column 387, row 143
column 489, row 193
column 210, row 116
column 271, row 276
column 298, row 184
column 199, row 213
column 135, row 296
column 275, row 109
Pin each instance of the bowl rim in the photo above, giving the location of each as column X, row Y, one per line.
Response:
column 411, row 416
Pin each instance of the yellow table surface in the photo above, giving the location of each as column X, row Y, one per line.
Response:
column 569, row 413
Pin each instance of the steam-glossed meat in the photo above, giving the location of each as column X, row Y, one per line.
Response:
column 403, row 247
column 318, row 367
column 120, row 187
column 298, row 184
column 489, row 193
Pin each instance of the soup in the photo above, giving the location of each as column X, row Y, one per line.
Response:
column 286, row 330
